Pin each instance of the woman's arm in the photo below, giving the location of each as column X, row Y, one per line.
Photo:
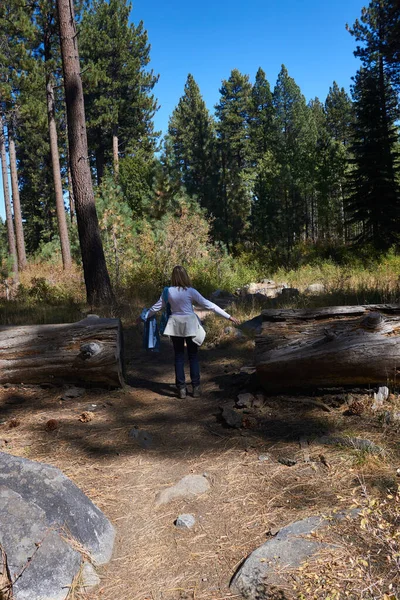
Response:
column 197, row 298
column 156, row 307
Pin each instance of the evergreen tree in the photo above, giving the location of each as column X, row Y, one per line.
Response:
column 261, row 117
column 375, row 195
column 191, row 147
column 392, row 45
column 97, row 280
column 374, row 200
column 235, row 189
column 296, row 136
column 339, row 118
column 265, row 207
column 118, row 87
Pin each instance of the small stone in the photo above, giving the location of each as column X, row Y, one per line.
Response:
column 232, row 417
column 143, row 438
column 258, row 401
column 288, row 462
column 187, row 487
column 229, row 330
column 185, row 521
column 245, row 400
column 264, row 457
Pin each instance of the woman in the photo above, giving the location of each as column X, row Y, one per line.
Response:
column 183, row 325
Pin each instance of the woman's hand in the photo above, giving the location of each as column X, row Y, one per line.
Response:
column 138, row 321
column 235, row 321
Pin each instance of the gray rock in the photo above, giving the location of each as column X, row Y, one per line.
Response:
column 315, row 288
column 264, row 457
column 245, row 400
column 260, row 573
column 50, row 571
column 143, row 438
column 188, row 486
column 89, row 577
column 259, row 401
column 185, row 521
column 231, row 417
column 61, row 502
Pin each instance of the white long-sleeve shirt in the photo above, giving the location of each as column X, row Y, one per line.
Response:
column 181, row 301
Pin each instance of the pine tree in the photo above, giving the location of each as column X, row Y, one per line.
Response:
column 375, row 193
column 295, row 138
column 98, row 285
column 374, row 190
column 392, row 43
column 234, row 147
column 118, row 86
column 339, row 118
column 265, row 208
column 192, row 147
column 15, row 31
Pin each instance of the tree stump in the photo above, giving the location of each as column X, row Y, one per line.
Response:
column 87, row 352
column 329, row 347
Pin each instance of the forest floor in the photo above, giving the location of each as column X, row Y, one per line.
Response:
column 249, row 498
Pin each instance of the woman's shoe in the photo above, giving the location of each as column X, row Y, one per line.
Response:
column 182, row 393
column 196, row 391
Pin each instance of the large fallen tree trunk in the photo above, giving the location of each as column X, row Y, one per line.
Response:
column 87, row 352
column 329, row 347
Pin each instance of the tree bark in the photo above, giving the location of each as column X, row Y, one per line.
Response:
column 329, row 347
column 12, row 249
column 97, row 280
column 55, row 160
column 19, row 229
column 87, row 352
column 115, row 154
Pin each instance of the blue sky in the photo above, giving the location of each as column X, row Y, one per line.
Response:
column 212, row 37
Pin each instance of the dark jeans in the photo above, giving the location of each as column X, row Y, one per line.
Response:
column 179, row 349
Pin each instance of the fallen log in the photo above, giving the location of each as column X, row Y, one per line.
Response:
column 87, row 352
column 328, row 347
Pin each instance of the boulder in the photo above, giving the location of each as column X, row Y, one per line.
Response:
column 261, row 573
column 315, row 288
column 40, row 511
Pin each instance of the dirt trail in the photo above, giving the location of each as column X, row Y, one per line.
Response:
column 249, row 497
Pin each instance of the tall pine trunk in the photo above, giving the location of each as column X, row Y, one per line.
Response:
column 12, row 249
column 19, row 229
column 97, row 280
column 55, row 160
column 115, row 153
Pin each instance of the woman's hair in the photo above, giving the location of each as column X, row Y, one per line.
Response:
column 180, row 278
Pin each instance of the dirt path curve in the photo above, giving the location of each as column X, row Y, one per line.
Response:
column 248, row 497
column 153, row 559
